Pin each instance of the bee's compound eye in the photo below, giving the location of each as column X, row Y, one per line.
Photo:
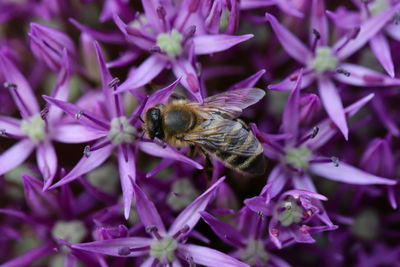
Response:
column 154, row 123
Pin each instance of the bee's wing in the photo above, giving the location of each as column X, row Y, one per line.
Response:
column 231, row 102
column 223, row 135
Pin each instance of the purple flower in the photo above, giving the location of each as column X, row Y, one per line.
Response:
column 115, row 130
column 321, row 62
column 165, row 247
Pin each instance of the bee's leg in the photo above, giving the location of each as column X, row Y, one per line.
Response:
column 208, row 166
column 242, row 123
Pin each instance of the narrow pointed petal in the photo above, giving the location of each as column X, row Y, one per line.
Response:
column 46, row 158
column 146, row 210
column 183, row 69
column 291, row 114
column 32, row 255
column 150, row 9
column 326, row 131
column 252, row 4
column 319, row 22
column 61, row 91
column 289, row 82
column 12, row 75
column 257, row 204
column 209, row 257
column 367, row 30
column 105, row 79
column 292, row 45
column 161, row 96
column 190, row 215
column 345, row 19
column 167, row 152
column 333, row 104
column 146, row 72
column 76, row 133
column 86, row 164
column 248, row 82
column 347, row 174
column 72, row 110
column 112, row 246
column 208, row 44
column 223, row 230
column 381, row 49
column 361, row 76
column 278, row 179
column 393, row 31
column 127, row 167
column 15, row 155
column 10, row 125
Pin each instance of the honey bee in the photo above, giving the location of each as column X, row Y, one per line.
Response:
column 212, row 126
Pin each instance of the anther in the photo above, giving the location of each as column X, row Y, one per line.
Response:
column 317, row 37
column 124, row 251
column 397, row 18
column 261, row 214
column 153, row 230
column 2, row 132
column 275, row 232
column 114, row 82
column 315, row 132
column 9, row 85
column 79, row 114
column 344, row 72
column 44, row 112
column 86, row 151
column 161, row 13
column 335, row 161
column 352, row 34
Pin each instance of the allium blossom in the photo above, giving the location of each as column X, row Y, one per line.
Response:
column 322, row 62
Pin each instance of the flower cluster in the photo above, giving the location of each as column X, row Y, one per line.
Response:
column 77, row 81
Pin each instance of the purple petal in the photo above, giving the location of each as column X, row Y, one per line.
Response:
column 150, row 9
column 12, row 75
column 345, row 19
column 289, row 82
column 112, row 37
column 393, row 31
column 147, row 71
column 76, row 133
column 47, row 162
column 326, row 131
column 190, row 215
column 367, row 30
column 248, row 82
column 161, row 96
column 167, row 152
column 224, row 231
column 127, row 167
column 252, row 4
column 105, row 80
column 278, row 179
column 209, row 257
column 10, row 125
column 125, row 58
column 164, row 163
column 146, row 210
column 86, row 164
column 61, row 91
column 319, row 22
column 32, row 255
column 333, row 104
column 184, row 69
column 15, row 155
column 291, row 114
column 347, row 174
column 208, row 44
column 382, row 113
column 258, row 204
column 292, row 45
column 298, row 192
column 98, row 123
column 112, row 246
column 381, row 49
column 361, row 76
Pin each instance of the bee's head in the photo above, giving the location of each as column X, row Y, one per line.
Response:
column 153, row 122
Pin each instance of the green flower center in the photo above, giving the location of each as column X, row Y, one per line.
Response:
column 298, row 157
column 182, row 194
column 323, row 60
column 254, row 252
column 378, row 6
column 34, row 128
column 121, row 131
column 224, row 20
column 164, row 248
column 289, row 212
column 72, row 231
column 170, row 43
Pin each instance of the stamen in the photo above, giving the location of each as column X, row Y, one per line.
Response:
column 184, row 230
column 155, row 49
column 275, row 232
column 44, row 112
column 352, row 34
column 114, row 82
column 317, row 36
column 124, row 251
column 161, row 13
column 153, row 230
column 137, row 33
column 86, row 151
column 344, row 72
column 79, row 114
column 312, row 135
column 335, row 161
column 3, row 133
column 261, row 214
column 105, row 142
column 13, row 88
column 189, row 33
